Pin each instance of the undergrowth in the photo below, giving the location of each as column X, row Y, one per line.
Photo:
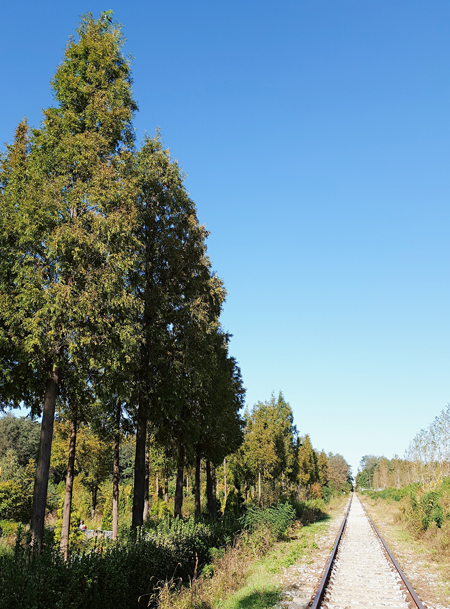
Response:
column 170, row 559
column 424, row 513
column 225, row 583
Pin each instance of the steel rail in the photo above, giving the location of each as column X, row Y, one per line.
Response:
column 326, row 576
column 410, row 589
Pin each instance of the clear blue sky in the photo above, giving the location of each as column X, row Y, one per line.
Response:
column 315, row 136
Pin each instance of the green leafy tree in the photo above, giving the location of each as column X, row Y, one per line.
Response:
column 269, row 450
column 308, row 465
column 177, row 292
column 93, row 460
column 322, row 465
column 20, row 434
column 16, row 488
column 367, row 467
column 66, row 220
column 339, row 473
column 216, row 427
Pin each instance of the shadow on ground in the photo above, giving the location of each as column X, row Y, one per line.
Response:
column 257, row 599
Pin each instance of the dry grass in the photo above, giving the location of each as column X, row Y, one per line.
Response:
column 423, row 555
column 435, row 539
column 226, row 574
column 229, row 571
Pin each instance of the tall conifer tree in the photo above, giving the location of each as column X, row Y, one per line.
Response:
column 177, row 292
column 67, row 213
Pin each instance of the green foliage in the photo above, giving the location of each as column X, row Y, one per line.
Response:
column 107, row 517
column 396, row 494
column 339, row 473
column 309, row 511
column 9, row 465
column 308, row 463
column 66, row 221
column 16, row 493
column 431, row 509
column 10, row 500
column 367, row 467
column 186, row 540
column 233, row 505
column 106, row 289
column 419, row 509
column 159, row 509
column 117, row 574
column 278, row 519
column 21, row 435
column 76, row 537
column 327, row 494
column 269, row 448
column 8, row 527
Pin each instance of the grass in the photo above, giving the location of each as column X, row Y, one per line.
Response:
column 428, row 551
column 241, row 578
column 247, row 574
column 262, row 589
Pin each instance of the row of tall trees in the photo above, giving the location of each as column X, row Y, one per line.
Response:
column 274, row 460
column 109, row 309
column 429, row 451
column 426, row 461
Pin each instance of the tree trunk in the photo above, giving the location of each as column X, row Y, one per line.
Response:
column 147, row 475
column 215, row 487
column 166, row 483
column 210, row 491
column 139, row 468
column 225, row 487
column 187, row 485
column 43, row 462
column 94, row 501
column 178, row 505
column 64, row 544
column 259, row 488
column 198, row 501
column 115, row 508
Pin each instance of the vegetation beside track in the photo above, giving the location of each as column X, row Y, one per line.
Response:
column 405, row 519
column 175, row 551
column 247, row 575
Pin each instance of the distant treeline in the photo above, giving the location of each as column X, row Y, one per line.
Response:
column 426, row 461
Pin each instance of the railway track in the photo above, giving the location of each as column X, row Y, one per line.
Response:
column 361, row 571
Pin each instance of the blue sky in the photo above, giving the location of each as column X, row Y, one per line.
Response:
column 315, row 136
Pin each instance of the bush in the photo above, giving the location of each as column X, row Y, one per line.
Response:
column 418, row 509
column 119, row 573
column 278, row 519
column 8, row 527
column 327, row 494
column 309, row 511
column 394, row 494
column 14, row 503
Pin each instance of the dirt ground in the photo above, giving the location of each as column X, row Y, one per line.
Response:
column 428, row 575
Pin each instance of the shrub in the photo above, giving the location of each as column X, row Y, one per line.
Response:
column 118, row 573
column 277, row 519
column 8, row 527
column 309, row 511
column 14, row 503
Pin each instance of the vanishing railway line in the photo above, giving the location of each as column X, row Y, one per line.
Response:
column 361, row 571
